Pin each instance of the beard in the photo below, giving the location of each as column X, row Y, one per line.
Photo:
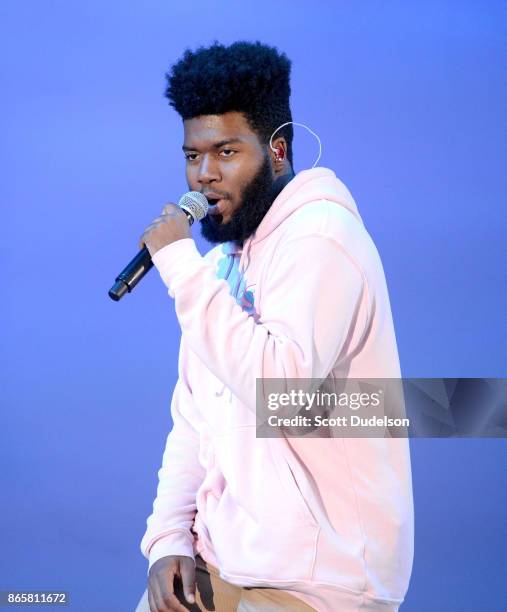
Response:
column 256, row 199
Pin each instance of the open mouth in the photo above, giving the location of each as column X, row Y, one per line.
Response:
column 215, row 206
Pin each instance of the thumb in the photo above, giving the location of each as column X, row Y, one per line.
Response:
column 188, row 580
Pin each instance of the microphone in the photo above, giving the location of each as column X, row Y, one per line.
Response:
column 195, row 206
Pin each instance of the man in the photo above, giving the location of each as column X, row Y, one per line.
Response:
column 294, row 289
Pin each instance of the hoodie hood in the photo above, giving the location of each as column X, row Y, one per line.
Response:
column 306, row 186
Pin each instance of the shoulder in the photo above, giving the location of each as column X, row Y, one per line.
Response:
column 322, row 221
column 325, row 218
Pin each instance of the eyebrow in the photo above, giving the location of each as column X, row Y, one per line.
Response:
column 216, row 145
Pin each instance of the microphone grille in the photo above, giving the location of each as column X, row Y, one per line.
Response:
column 195, row 203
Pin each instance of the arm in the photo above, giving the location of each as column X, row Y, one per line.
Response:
column 310, row 303
column 168, row 527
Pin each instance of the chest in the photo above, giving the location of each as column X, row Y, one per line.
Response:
column 244, row 279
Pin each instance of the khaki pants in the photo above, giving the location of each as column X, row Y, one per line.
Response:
column 213, row 593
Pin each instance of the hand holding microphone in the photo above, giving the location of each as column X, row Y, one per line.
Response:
column 173, row 224
column 170, row 226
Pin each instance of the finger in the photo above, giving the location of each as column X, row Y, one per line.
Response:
column 144, row 235
column 155, row 223
column 151, row 602
column 156, row 597
column 187, row 569
column 170, row 208
column 168, row 595
column 158, row 590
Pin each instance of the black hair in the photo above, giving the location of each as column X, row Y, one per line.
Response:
column 251, row 78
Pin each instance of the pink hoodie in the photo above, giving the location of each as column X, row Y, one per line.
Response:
column 328, row 519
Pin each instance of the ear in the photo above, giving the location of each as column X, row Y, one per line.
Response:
column 279, row 154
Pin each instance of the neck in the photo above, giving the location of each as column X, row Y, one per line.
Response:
column 280, row 182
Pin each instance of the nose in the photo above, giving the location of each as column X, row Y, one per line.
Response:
column 208, row 170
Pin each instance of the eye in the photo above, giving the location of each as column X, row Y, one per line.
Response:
column 190, row 156
column 229, row 152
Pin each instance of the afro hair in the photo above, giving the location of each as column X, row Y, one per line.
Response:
column 251, row 78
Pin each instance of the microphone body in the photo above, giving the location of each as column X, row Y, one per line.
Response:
column 195, row 206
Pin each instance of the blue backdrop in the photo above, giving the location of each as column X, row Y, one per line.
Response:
column 409, row 100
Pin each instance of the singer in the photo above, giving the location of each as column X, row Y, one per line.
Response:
column 294, row 288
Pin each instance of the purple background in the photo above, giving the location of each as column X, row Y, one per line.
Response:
column 409, row 100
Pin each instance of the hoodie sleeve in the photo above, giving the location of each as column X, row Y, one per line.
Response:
column 310, row 300
column 168, row 527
